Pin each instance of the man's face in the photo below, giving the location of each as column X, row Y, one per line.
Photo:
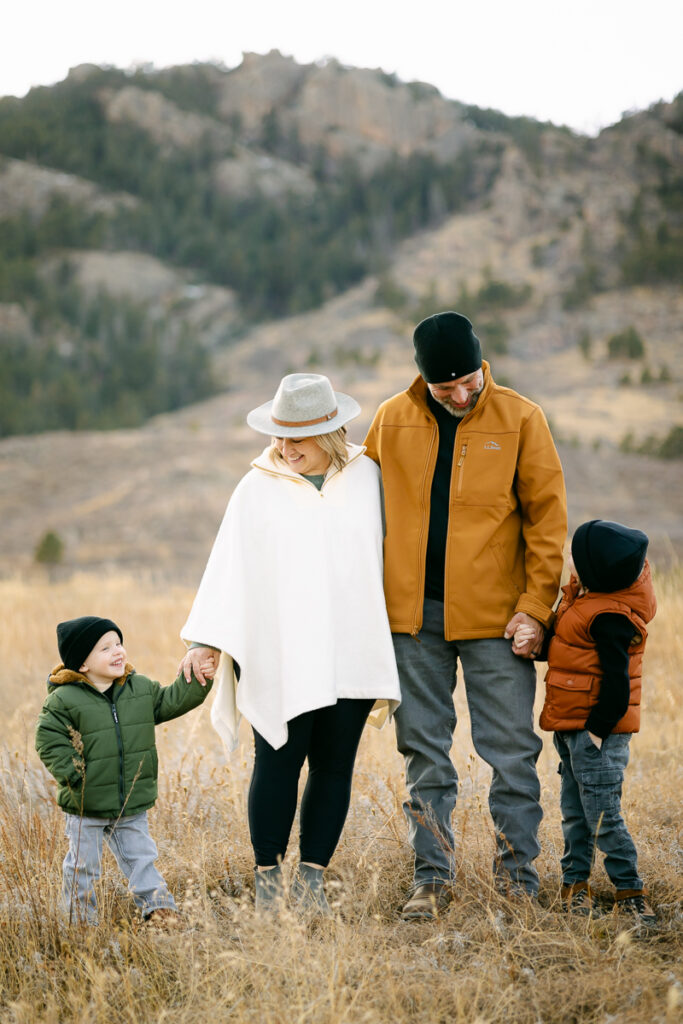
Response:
column 459, row 396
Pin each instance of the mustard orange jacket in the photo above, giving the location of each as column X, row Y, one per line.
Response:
column 507, row 518
column 574, row 672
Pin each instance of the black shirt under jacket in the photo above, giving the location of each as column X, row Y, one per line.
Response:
column 440, row 501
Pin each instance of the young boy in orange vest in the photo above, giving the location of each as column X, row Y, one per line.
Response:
column 592, row 706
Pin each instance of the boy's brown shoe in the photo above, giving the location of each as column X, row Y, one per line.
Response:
column 163, row 919
column 577, row 898
column 427, row 902
column 633, row 902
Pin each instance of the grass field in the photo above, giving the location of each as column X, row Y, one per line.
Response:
column 486, row 961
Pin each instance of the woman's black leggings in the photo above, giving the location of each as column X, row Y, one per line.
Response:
column 329, row 738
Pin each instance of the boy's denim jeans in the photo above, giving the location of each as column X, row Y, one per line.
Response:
column 135, row 852
column 590, row 797
column 500, row 690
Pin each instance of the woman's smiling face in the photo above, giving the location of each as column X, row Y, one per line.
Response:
column 303, row 455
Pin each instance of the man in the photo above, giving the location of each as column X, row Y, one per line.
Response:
column 475, row 524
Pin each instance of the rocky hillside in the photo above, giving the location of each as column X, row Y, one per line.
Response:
column 191, row 234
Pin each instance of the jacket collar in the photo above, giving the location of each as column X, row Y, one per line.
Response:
column 417, row 392
column 60, row 675
column 267, row 465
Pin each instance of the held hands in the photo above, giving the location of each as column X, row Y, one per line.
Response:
column 527, row 635
column 203, row 661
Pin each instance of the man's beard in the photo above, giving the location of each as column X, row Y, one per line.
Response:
column 459, row 413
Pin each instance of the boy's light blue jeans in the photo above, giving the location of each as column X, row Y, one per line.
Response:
column 135, row 852
column 500, row 689
column 590, row 797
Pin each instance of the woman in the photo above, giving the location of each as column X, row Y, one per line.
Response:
column 292, row 598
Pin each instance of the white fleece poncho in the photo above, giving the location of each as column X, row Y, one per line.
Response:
column 293, row 593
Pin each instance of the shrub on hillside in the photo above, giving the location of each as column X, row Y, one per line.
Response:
column 496, row 294
column 672, row 445
column 669, row 447
column 49, row 549
column 494, row 336
column 626, row 344
column 655, row 257
column 390, row 294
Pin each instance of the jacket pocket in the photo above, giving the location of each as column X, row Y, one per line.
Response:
column 505, row 574
column 460, row 469
column 569, row 699
column 569, row 681
column 70, row 795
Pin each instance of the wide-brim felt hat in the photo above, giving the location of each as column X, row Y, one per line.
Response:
column 305, row 405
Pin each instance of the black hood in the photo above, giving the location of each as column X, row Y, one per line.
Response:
column 608, row 556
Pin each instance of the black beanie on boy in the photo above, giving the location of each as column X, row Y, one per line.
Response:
column 77, row 637
column 446, row 347
column 608, row 556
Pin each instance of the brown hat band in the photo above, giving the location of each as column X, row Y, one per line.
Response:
column 305, row 423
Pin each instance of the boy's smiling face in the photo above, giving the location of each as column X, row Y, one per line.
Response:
column 106, row 662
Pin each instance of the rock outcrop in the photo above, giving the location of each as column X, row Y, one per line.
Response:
column 166, row 123
column 27, row 187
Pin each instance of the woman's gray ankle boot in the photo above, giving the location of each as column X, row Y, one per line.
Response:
column 308, row 892
column 268, row 888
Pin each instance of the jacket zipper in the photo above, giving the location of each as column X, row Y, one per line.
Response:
column 119, row 742
column 421, row 566
column 458, row 490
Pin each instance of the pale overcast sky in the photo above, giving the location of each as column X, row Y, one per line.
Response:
column 580, row 63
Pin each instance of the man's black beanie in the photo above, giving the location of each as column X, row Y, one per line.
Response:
column 608, row 556
column 77, row 637
column 446, row 347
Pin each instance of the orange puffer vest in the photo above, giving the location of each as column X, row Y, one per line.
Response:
column 574, row 673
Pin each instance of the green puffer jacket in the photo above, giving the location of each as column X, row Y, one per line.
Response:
column 115, row 771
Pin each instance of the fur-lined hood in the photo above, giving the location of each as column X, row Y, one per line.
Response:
column 60, row 675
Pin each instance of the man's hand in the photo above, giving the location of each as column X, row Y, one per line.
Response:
column 527, row 635
column 596, row 740
column 203, row 661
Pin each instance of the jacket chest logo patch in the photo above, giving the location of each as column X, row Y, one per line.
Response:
column 492, row 446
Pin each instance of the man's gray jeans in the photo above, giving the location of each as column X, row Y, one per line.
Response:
column 500, row 689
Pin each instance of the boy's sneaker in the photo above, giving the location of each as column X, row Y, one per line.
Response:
column 163, row 919
column 633, row 902
column 577, row 898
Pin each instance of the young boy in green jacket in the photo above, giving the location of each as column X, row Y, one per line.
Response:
column 95, row 734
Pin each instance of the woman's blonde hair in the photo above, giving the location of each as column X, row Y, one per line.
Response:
column 333, row 444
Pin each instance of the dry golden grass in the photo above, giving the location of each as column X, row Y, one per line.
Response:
column 485, row 961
